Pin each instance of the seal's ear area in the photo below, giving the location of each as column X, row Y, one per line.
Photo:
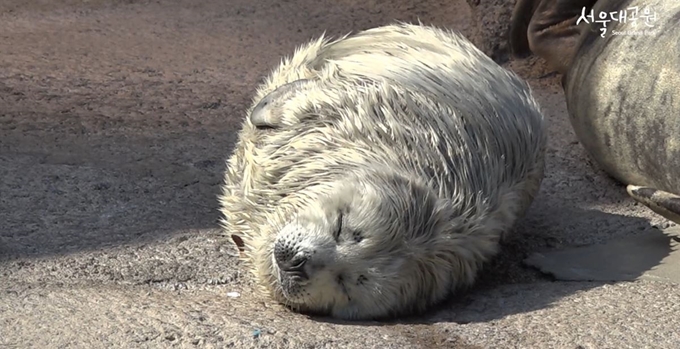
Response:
column 426, row 211
column 659, row 201
column 265, row 113
column 239, row 244
column 519, row 26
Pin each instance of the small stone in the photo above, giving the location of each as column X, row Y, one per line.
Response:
column 233, row 294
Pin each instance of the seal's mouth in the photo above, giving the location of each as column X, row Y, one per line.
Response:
column 291, row 282
column 292, row 279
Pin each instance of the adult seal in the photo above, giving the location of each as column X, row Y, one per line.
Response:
column 623, row 98
column 620, row 82
column 376, row 173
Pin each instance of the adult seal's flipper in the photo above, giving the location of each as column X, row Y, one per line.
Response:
column 659, row 201
column 548, row 29
column 267, row 113
column 519, row 26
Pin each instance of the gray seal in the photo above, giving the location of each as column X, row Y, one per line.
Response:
column 621, row 85
column 376, row 174
column 623, row 98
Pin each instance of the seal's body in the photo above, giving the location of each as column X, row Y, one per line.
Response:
column 621, row 85
column 623, row 97
column 376, row 173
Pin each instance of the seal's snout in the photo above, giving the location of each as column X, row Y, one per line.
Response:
column 291, row 263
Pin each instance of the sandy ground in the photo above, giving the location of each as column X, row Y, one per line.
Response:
column 115, row 120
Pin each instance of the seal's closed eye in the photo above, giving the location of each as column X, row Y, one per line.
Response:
column 264, row 114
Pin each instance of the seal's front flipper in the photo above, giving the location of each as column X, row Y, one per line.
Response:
column 659, row 201
column 267, row 113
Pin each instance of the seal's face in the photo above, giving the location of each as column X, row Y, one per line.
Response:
column 365, row 249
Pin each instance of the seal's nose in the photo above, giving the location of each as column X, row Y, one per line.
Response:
column 294, row 265
column 290, row 262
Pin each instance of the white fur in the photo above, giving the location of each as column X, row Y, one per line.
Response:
column 428, row 149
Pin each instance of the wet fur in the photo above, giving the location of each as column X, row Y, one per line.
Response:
column 430, row 146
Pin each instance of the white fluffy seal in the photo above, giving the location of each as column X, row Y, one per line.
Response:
column 376, row 173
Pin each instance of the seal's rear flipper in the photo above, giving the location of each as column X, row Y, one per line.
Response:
column 519, row 26
column 267, row 113
column 548, row 29
column 659, row 201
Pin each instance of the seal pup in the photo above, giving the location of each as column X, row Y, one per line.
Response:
column 377, row 173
